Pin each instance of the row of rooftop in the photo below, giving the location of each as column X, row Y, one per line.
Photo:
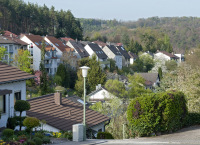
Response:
column 80, row 49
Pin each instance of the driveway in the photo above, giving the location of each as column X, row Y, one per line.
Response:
column 186, row 136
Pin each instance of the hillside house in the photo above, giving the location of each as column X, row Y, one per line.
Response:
column 100, row 94
column 125, row 56
column 80, row 51
column 100, row 43
column 133, row 57
column 94, row 49
column 165, row 56
column 11, row 45
column 61, row 113
column 35, row 45
column 151, row 80
column 112, row 53
column 12, row 88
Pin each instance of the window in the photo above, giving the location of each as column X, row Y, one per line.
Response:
column 3, row 104
column 56, row 44
column 17, row 96
column 36, row 43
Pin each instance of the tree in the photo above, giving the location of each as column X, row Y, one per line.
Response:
column 160, row 73
column 23, row 61
column 30, row 123
column 144, row 63
column 136, row 86
column 43, row 76
column 171, row 65
column 2, row 53
column 63, row 73
column 21, row 105
column 125, row 40
column 116, row 88
column 92, row 79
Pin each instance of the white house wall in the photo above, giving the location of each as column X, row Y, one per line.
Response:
column 15, row 87
column 161, row 56
column 36, row 53
column 50, row 128
column 101, row 95
column 90, row 51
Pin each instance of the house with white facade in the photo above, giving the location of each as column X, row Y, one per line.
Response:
column 79, row 49
column 180, row 56
column 125, row 56
column 133, row 57
column 12, row 88
column 12, row 45
column 100, row 94
column 94, row 49
column 151, row 80
column 165, row 56
column 61, row 113
column 35, row 45
column 112, row 53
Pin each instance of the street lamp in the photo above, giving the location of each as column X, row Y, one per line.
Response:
column 84, row 74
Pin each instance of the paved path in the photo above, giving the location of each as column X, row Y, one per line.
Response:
column 186, row 136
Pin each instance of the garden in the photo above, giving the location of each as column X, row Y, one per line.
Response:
column 30, row 135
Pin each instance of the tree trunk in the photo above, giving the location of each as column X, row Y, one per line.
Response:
column 20, row 121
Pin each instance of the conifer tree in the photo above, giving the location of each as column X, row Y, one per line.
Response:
column 43, row 76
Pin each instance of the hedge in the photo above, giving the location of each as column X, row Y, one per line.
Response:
column 104, row 135
column 160, row 112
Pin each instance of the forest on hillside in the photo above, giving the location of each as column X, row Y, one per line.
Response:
column 183, row 32
column 20, row 17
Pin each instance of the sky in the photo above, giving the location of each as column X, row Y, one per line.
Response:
column 125, row 9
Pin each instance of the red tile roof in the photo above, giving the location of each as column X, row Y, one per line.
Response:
column 37, row 40
column 100, row 43
column 169, row 54
column 18, row 41
column 67, row 39
column 65, row 115
column 57, row 43
column 9, row 34
column 12, row 74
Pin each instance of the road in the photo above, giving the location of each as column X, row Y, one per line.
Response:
column 186, row 136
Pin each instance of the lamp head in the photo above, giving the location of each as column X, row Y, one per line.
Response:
column 84, row 71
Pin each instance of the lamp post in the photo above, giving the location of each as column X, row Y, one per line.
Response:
column 84, row 74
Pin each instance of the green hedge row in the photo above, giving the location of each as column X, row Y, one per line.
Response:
column 104, row 135
column 160, row 112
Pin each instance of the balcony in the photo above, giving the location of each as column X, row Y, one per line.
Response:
column 47, row 65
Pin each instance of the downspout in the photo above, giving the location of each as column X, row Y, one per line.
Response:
column 106, row 124
column 9, row 106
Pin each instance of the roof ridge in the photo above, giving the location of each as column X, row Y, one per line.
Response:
column 40, row 97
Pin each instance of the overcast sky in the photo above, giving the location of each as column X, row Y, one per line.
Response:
column 125, row 9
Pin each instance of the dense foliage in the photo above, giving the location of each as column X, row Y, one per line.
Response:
column 21, row 105
column 20, row 17
column 161, row 112
column 182, row 32
column 23, row 61
column 92, row 79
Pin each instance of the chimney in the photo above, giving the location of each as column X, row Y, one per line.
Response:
column 58, row 98
column 97, row 88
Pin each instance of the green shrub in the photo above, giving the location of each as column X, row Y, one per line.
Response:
column 37, row 140
column 39, row 134
column 192, row 119
column 46, row 140
column 160, row 112
column 31, row 122
column 8, row 133
column 68, row 135
column 31, row 142
column 11, row 123
column 104, row 135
